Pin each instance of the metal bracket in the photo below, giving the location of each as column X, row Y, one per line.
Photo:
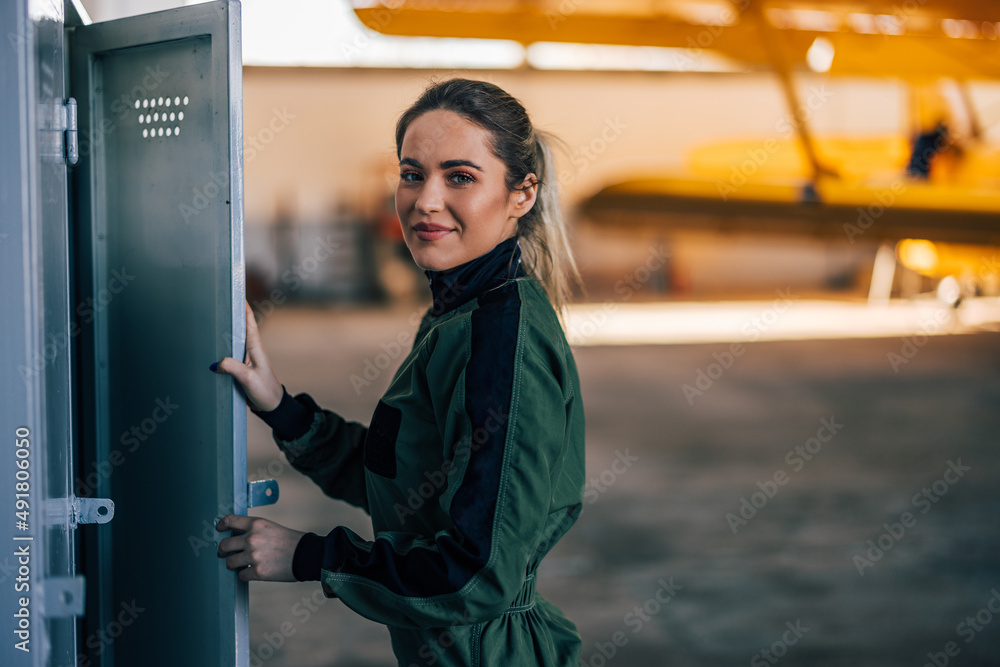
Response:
column 60, row 138
column 75, row 511
column 63, row 597
column 263, row 492
column 93, row 510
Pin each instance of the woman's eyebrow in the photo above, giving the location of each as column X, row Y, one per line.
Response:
column 447, row 164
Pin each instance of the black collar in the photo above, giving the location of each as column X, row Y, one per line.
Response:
column 463, row 283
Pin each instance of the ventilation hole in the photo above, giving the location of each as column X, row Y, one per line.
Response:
column 169, row 132
column 177, row 131
column 137, row 104
column 145, row 133
column 160, row 132
column 177, row 101
column 145, row 104
column 172, row 115
column 160, row 101
column 168, row 101
column 180, row 115
column 156, row 117
column 142, row 119
column 185, row 100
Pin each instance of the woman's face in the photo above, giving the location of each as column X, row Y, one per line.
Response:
column 452, row 199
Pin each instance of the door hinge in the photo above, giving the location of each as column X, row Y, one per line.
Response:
column 59, row 132
column 75, row 511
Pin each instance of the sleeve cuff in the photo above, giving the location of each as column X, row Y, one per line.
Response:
column 307, row 563
column 293, row 417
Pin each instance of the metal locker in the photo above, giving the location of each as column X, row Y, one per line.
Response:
column 119, row 294
column 40, row 593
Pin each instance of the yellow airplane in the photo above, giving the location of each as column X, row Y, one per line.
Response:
column 923, row 186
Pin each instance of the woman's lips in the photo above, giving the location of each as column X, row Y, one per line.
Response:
column 429, row 232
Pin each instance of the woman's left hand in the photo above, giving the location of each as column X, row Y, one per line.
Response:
column 264, row 550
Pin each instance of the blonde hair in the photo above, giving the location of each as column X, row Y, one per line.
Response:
column 545, row 248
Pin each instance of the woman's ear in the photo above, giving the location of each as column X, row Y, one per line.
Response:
column 525, row 195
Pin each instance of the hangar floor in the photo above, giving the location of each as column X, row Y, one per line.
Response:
column 830, row 446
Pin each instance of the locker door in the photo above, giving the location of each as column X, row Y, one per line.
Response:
column 157, row 218
column 40, row 596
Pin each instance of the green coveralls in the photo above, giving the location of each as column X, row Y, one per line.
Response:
column 472, row 469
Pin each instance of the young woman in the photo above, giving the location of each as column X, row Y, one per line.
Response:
column 473, row 465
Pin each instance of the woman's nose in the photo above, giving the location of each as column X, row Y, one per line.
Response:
column 431, row 197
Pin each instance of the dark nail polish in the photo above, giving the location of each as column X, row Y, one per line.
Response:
column 213, row 367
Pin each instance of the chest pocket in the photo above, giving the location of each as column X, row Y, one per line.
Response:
column 380, row 443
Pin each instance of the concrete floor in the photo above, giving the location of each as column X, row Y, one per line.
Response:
column 879, row 438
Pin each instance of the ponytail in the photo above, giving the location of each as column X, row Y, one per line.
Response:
column 545, row 249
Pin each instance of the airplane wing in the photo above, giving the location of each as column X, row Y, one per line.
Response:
column 876, row 210
column 911, row 39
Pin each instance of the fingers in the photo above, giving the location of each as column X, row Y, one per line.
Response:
column 236, row 543
column 242, row 563
column 230, row 366
column 261, row 388
column 255, row 355
column 231, row 546
column 238, row 560
column 263, row 551
column 236, row 549
column 253, row 335
column 235, row 522
column 254, row 350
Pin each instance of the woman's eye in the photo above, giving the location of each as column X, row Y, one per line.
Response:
column 462, row 178
column 409, row 176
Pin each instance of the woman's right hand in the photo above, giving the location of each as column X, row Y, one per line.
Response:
column 262, row 389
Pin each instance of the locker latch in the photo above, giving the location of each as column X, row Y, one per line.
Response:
column 60, row 138
column 75, row 511
column 263, row 492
